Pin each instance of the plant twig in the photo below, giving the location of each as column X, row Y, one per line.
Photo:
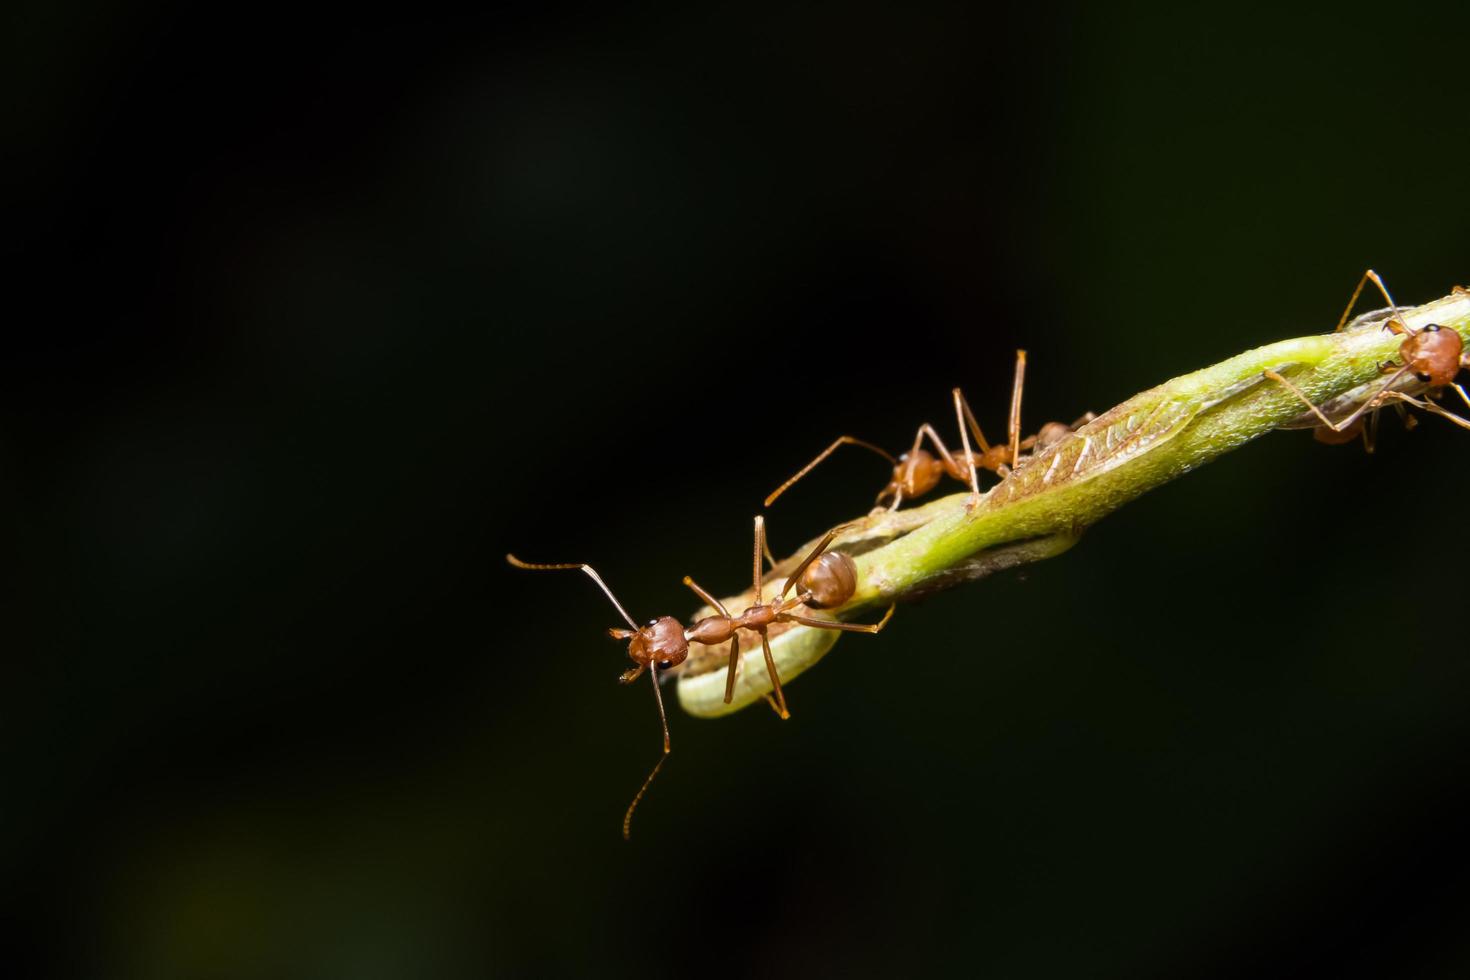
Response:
column 1042, row 508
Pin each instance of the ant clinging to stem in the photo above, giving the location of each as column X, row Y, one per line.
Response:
column 823, row 580
column 1433, row 355
column 918, row 471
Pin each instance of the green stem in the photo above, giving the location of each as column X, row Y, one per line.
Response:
column 1042, row 508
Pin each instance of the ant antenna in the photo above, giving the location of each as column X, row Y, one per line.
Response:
column 839, row 441
column 663, row 719
column 592, row 572
column 1370, row 274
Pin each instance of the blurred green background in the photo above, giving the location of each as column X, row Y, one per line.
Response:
column 316, row 316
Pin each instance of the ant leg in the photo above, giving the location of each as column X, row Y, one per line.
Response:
column 708, row 599
column 1273, row 376
column 1428, row 406
column 1343, row 425
column 586, row 568
column 775, row 678
column 963, row 404
column 904, row 472
column 1461, row 392
column 1370, row 274
column 839, row 441
column 1013, row 424
column 664, row 720
column 950, row 463
column 1438, row 410
column 734, row 668
column 961, row 409
column 832, row 624
column 760, row 547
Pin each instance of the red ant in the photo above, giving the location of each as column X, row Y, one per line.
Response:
column 918, row 471
column 1365, row 426
column 823, row 580
column 1435, row 356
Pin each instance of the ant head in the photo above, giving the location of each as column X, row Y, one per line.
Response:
column 1433, row 354
column 917, row 473
column 661, row 643
column 829, row 581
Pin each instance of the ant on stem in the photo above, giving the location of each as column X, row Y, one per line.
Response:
column 918, row 471
column 1365, row 426
column 823, row 580
column 1435, row 356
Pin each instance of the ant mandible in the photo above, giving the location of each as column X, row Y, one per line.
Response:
column 918, row 471
column 823, row 580
column 1435, row 356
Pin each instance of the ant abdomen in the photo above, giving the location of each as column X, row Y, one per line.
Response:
column 829, row 581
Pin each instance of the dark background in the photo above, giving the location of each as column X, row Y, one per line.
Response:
column 314, row 317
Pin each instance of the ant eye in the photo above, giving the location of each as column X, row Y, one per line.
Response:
column 1431, row 328
column 665, row 665
column 1423, row 376
column 652, row 622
